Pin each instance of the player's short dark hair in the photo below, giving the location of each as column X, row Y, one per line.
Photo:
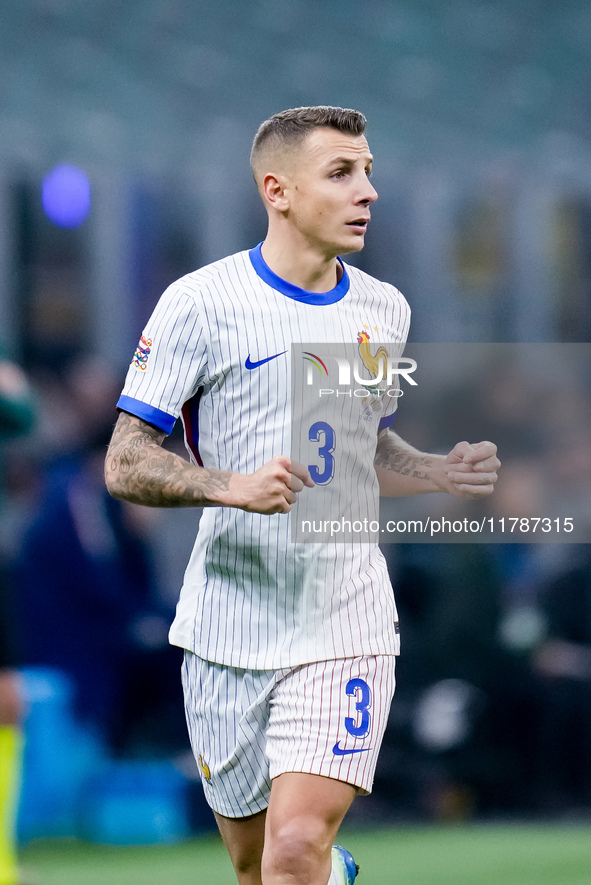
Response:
column 292, row 126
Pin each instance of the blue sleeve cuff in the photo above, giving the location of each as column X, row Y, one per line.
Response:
column 387, row 421
column 154, row 416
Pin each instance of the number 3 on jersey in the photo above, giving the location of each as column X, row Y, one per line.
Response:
column 322, row 433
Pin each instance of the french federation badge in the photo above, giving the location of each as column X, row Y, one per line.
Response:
column 204, row 767
column 376, row 364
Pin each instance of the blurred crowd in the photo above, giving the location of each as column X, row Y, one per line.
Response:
column 493, row 706
column 88, row 595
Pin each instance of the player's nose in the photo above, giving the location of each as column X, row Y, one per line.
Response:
column 369, row 194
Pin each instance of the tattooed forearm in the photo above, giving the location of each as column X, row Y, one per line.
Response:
column 403, row 470
column 391, row 455
column 138, row 470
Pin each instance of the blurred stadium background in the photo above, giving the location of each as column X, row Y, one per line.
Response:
column 125, row 130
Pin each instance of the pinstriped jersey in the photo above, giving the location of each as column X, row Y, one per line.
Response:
column 216, row 351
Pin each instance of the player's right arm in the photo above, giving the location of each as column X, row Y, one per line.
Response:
column 139, row 470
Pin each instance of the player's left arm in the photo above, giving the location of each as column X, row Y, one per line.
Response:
column 469, row 471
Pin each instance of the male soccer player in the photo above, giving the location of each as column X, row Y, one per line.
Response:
column 289, row 663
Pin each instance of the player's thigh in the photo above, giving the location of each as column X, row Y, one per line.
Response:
column 316, row 805
column 329, row 719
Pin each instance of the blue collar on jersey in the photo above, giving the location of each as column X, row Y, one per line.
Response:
column 320, row 298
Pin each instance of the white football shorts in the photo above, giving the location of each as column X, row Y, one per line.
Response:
column 248, row 726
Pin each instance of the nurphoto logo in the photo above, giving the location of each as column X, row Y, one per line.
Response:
column 375, row 373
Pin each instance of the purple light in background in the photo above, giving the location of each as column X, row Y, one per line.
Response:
column 65, row 195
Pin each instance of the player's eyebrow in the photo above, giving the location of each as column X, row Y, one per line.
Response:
column 348, row 162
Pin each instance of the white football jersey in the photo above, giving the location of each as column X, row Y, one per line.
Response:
column 218, row 351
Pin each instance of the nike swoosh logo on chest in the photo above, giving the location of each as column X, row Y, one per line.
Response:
column 250, row 364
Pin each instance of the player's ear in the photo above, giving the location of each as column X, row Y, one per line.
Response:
column 274, row 191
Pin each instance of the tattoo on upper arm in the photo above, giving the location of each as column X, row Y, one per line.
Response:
column 140, row 471
column 391, row 456
column 130, row 434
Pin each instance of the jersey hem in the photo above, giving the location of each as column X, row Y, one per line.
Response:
column 250, row 663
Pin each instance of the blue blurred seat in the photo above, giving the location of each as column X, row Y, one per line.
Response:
column 136, row 803
column 60, row 756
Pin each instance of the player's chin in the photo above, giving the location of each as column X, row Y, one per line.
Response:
column 353, row 244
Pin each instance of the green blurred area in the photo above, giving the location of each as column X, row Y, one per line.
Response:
column 482, row 855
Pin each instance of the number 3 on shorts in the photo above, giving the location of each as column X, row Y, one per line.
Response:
column 361, row 690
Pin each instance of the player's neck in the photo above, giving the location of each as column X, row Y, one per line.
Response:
column 301, row 266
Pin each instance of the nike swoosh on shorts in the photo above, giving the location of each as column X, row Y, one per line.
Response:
column 250, row 365
column 340, row 752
